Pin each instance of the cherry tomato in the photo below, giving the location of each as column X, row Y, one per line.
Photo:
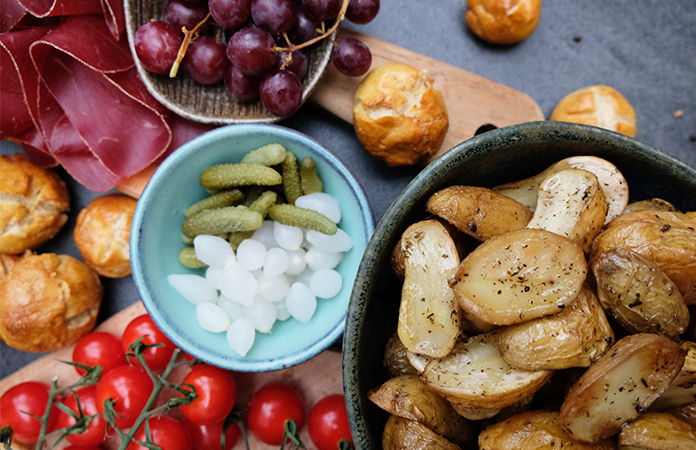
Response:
column 99, row 349
column 270, row 407
column 95, row 433
column 74, row 447
column 16, row 405
column 130, row 387
column 328, row 423
column 207, row 437
column 167, row 433
column 216, row 394
column 156, row 358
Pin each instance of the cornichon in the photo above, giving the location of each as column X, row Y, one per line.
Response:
column 222, row 220
column 268, row 155
column 188, row 258
column 303, row 218
column 219, row 200
column 309, row 179
column 224, row 176
column 260, row 205
column 291, row 178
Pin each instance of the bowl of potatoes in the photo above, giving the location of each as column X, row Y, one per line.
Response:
column 532, row 285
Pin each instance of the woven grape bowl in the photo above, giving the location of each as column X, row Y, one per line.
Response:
column 212, row 104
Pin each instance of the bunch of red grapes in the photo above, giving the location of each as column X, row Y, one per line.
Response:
column 251, row 44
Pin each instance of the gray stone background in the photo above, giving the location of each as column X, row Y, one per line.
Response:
column 646, row 49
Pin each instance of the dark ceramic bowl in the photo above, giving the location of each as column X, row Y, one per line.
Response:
column 499, row 156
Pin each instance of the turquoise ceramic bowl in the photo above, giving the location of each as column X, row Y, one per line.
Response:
column 492, row 158
column 156, row 243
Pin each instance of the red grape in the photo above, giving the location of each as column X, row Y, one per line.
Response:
column 304, row 29
column 298, row 63
column 275, row 16
column 362, row 11
column 179, row 14
column 251, row 51
column 281, row 92
column 244, row 88
column 322, row 9
column 351, row 57
column 231, row 14
column 206, row 60
column 157, row 44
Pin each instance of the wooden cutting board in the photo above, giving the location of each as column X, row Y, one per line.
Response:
column 472, row 101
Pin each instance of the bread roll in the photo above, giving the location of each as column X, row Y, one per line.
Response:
column 503, row 21
column 600, row 106
column 34, row 204
column 398, row 116
column 48, row 301
column 102, row 234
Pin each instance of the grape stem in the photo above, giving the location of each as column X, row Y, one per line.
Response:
column 292, row 47
column 190, row 37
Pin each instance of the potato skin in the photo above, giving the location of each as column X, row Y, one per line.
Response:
column 478, row 212
column 682, row 391
column 396, row 359
column 653, row 204
column 405, row 434
column 533, row 430
column 664, row 237
column 638, row 294
column 406, row 396
column 620, row 385
column 575, row 337
column 658, row 431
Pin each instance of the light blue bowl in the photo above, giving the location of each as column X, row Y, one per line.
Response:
column 156, row 243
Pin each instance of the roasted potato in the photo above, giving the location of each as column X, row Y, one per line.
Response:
column 474, row 375
column 686, row 414
column 620, row 385
column 610, row 179
column 666, row 238
column 406, row 396
column 638, row 294
column 653, row 204
column 405, row 434
column 429, row 314
column 682, row 391
column 498, row 414
column 534, row 430
column 657, row 431
column 477, row 211
column 571, row 203
column 395, row 358
column 575, row 337
column 418, row 361
column 520, row 276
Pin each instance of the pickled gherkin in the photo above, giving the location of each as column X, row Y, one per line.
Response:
column 220, row 200
column 268, row 155
column 291, row 178
column 302, row 218
column 309, row 179
column 222, row 220
column 224, row 176
column 188, row 258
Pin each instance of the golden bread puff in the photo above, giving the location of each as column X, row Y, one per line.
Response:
column 34, row 204
column 398, row 116
column 600, row 106
column 102, row 233
column 503, row 21
column 48, row 301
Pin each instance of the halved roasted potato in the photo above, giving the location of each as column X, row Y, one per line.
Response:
column 519, row 276
column 666, row 238
column 638, row 294
column 657, row 431
column 575, row 337
column 406, row 396
column 571, row 203
column 682, row 391
column 533, row 430
column 405, row 434
column 418, row 361
column 653, row 204
column 429, row 314
column 620, row 385
column 478, row 211
column 610, row 179
column 475, row 376
column 685, row 413
column 395, row 358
